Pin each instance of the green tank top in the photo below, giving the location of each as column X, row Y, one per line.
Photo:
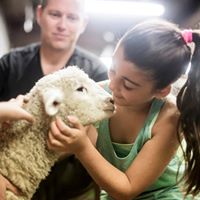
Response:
column 122, row 155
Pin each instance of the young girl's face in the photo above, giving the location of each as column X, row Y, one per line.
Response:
column 130, row 86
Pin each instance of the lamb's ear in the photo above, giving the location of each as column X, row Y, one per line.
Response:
column 52, row 99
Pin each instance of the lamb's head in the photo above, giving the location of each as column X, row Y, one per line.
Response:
column 71, row 92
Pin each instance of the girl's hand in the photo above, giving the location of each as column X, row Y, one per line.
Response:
column 65, row 139
column 11, row 110
column 6, row 185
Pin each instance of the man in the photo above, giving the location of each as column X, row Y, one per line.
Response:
column 61, row 23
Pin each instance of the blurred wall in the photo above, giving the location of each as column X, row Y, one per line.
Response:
column 103, row 31
column 4, row 39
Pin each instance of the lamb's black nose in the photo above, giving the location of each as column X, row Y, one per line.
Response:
column 110, row 99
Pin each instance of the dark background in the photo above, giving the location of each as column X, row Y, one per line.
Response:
column 102, row 31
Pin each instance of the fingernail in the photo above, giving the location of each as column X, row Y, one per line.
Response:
column 70, row 118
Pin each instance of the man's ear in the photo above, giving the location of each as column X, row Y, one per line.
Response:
column 84, row 23
column 163, row 92
column 38, row 14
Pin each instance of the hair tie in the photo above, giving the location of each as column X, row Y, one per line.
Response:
column 187, row 35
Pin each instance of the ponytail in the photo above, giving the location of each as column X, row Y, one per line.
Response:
column 188, row 102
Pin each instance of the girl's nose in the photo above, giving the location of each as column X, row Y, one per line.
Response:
column 114, row 84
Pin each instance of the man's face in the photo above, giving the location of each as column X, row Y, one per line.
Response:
column 61, row 22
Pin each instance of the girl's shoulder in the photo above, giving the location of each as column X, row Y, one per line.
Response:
column 168, row 117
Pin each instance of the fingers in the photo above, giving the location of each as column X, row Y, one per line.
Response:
column 6, row 185
column 74, row 122
column 61, row 135
column 66, row 130
column 63, row 138
column 57, row 141
column 27, row 116
column 18, row 100
column 2, row 191
column 54, row 144
column 12, row 100
column 13, row 110
column 56, row 133
column 26, row 98
column 12, row 188
column 22, row 99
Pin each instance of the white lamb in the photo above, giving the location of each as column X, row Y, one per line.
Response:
column 24, row 157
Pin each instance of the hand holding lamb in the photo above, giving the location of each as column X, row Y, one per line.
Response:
column 11, row 110
column 24, row 157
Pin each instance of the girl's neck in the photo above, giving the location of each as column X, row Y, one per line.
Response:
column 134, row 111
column 127, row 122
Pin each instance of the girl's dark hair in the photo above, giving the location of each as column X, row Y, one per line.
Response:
column 159, row 47
column 188, row 102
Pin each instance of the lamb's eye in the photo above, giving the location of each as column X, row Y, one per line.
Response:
column 81, row 89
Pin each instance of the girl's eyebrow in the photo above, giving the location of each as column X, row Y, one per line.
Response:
column 134, row 83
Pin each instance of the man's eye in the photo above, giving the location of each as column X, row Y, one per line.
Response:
column 55, row 14
column 72, row 18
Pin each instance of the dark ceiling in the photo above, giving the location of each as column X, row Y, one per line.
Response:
column 101, row 30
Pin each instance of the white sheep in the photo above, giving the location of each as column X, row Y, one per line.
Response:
column 24, row 157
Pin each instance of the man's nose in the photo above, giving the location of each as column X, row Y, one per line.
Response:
column 62, row 24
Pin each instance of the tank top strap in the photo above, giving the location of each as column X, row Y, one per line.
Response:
column 156, row 106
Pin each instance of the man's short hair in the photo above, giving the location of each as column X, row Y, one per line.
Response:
column 43, row 3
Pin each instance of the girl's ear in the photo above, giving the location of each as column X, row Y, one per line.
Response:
column 163, row 92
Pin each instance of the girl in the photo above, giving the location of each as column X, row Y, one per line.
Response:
column 136, row 148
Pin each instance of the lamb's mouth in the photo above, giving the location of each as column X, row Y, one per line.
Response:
column 110, row 109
